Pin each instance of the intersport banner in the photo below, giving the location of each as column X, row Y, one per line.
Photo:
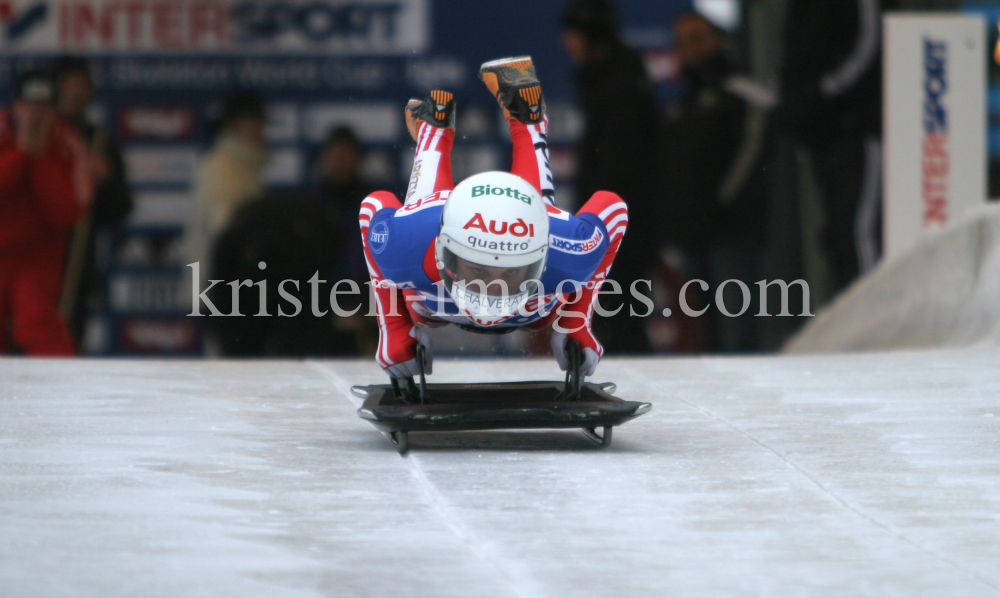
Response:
column 344, row 27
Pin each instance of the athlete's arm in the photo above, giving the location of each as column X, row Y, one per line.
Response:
column 397, row 335
column 609, row 215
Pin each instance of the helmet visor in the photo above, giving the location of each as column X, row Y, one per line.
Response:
column 492, row 291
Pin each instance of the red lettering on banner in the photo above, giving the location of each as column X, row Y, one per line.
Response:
column 936, row 166
column 82, row 24
column 63, row 23
column 936, row 209
column 133, row 13
column 209, row 19
column 935, row 146
column 144, row 24
column 167, row 25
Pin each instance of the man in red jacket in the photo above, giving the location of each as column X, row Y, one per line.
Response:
column 45, row 186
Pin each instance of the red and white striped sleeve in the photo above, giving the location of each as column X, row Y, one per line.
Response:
column 576, row 316
column 395, row 345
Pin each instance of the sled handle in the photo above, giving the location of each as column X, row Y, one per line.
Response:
column 574, row 380
column 406, row 390
column 422, row 362
column 412, row 392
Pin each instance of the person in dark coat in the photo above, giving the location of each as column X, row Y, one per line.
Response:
column 281, row 236
column 712, row 159
column 831, row 102
column 341, row 190
column 112, row 201
column 618, row 153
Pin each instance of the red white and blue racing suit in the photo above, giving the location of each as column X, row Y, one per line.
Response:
column 399, row 244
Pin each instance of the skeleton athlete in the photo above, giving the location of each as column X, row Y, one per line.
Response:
column 492, row 254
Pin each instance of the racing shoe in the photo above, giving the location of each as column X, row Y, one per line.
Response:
column 514, row 84
column 437, row 110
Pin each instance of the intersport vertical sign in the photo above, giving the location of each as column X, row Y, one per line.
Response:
column 934, row 123
column 330, row 27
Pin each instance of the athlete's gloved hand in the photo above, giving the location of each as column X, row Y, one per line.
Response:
column 410, row 367
column 590, row 356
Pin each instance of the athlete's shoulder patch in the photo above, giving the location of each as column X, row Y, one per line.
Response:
column 378, row 237
column 577, row 246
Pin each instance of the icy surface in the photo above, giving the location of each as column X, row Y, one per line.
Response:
column 873, row 475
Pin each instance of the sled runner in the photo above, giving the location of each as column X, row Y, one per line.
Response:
column 415, row 406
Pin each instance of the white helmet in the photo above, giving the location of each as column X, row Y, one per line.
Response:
column 492, row 246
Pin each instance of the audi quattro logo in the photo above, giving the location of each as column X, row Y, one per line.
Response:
column 518, row 228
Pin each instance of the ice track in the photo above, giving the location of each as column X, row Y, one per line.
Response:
column 862, row 475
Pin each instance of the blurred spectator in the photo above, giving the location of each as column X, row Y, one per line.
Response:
column 338, row 169
column 112, row 198
column 290, row 234
column 230, row 176
column 712, row 154
column 618, row 152
column 45, row 187
column 831, row 102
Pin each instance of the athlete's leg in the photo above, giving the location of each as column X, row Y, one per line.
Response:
column 431, row 163
column 531, row 156
column 432, row 124
column 514, row 84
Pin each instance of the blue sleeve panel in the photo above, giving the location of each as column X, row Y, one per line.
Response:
column 577, row 245
column 398, row 241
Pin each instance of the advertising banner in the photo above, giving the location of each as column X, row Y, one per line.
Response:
column 934, row 123
column 344, row 27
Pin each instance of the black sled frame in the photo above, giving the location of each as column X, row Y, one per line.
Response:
column 409, row 406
